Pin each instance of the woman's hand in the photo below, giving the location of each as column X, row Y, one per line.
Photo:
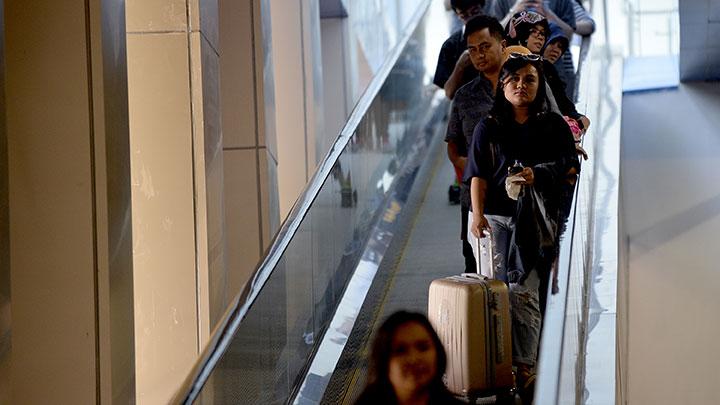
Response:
column 528, row 176
column 580, row 151
column 586, row 123
column 479, row 224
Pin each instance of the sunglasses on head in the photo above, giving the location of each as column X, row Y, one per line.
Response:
column 527, row 56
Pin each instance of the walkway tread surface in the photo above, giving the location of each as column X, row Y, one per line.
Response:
column 427, row 247
column 428, row 224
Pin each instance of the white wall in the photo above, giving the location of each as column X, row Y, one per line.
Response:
column 670, row 190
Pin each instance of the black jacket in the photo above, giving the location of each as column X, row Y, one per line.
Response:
column 375, row 395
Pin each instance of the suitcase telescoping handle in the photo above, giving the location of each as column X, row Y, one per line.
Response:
column 487, row 240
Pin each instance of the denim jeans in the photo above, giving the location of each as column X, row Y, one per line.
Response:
column 502, row 232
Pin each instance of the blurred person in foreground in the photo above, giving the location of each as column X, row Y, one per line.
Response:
column 407, row 364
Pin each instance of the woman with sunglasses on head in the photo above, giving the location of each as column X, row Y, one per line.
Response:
column 407, row 364
column 521, row 131
column 530, row 29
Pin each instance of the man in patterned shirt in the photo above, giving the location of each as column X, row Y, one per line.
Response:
column 472, row 102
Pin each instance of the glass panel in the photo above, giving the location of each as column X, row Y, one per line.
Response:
column 378, row 25
column 643, row 28
column 580, row 375
column 248, row 371
column 272, row 348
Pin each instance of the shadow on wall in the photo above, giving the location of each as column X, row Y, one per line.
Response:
column 661, row 122
column 673, row 134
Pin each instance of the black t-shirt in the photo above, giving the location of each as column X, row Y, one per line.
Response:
column 544, row 143
column 450, row 52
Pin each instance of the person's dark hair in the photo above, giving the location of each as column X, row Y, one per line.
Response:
column 382, row 351
column 481, row 22
column 502, row 110
column 517, row 30
column 466, row 4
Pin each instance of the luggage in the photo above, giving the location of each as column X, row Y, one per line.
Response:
column 471, row 314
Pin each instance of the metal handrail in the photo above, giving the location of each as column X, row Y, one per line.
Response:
column 241, row 304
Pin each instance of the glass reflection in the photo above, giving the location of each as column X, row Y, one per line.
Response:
column 338, row 239
column 378, row 25
column 588, row 340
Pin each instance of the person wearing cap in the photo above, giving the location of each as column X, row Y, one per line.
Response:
column 454, row 68
column 528, row 29
column 485, row 44
column 514, row 49
column 560, row 12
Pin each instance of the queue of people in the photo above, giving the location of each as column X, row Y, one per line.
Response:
column 513, row 137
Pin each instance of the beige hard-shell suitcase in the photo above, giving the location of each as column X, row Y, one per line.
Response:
column 471, row 314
